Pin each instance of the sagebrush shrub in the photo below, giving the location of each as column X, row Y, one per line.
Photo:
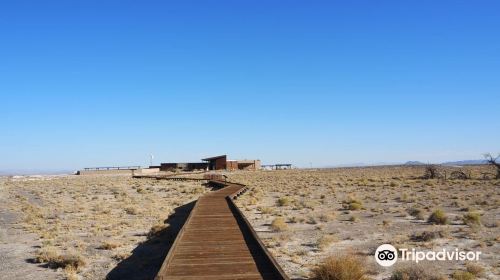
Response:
column 279, row 224
column 438, row 217
column 472, row 219
column 344, row 267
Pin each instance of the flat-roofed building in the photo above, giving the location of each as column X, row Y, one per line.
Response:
column 213, row 163
column 222, row 163
column 216, row 163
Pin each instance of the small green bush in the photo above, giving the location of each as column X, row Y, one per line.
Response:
column 352, row 204
column 438, row 217
column 355, row 206
column 462, row 275
column 472, row 219
column 283, row 201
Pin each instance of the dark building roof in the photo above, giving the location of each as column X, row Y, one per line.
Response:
column 214, row 158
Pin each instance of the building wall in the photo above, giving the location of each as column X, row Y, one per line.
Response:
column 257, row 165
column 249, row 164
column 232, row 165
column 146, row 171
column 197, row 165
column 168, row 166
column 218, row 163
column 184, row 166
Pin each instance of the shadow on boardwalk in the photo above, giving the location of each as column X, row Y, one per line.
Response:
column 147, row 258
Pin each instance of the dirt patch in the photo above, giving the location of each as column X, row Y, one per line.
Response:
column 17, row 247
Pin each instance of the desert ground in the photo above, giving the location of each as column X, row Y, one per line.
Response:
column 116, row 227
column 305, row 216
column 90, row 227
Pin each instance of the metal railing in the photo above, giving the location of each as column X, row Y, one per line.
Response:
column 112, row 168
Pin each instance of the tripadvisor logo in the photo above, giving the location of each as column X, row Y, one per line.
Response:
column 387, row 255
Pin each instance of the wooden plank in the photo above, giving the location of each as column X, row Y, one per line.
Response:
column 217, row 242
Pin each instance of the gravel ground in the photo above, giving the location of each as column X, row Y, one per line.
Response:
column 315, row 206
column 17, row 248
column 119, row 227
column 107, row 220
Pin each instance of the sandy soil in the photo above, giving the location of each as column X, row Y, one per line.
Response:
column 17, row 247
column 319, row 219
column 116, row 227
column 113, row 226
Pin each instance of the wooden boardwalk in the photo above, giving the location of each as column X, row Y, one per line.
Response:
column 217, row 242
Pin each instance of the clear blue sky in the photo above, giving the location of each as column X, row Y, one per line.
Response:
column 89, row 83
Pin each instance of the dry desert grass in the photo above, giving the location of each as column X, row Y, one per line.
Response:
column 88, row 224
column 328, row 212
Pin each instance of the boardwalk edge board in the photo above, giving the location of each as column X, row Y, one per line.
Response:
column 243, row 225
column 266, row 252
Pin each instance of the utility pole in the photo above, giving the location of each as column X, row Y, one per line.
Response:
column 151, row 160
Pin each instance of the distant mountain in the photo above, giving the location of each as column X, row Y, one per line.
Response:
column 357, row 164
column 449, row 163
column 360, row 164
column 466, row 162
column 414, row 162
